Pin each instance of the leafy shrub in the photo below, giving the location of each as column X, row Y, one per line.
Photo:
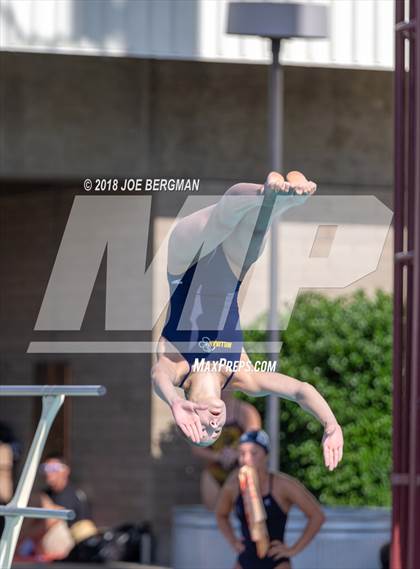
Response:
column 343, row 347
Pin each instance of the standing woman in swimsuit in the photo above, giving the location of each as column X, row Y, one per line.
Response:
column 279, row 493
column 209, row 254
column 222, row 457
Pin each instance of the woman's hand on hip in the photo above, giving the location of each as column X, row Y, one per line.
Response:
column 238, row 546
column 279, row 549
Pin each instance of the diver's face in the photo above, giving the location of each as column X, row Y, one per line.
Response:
column 251, row 454
column 212, row 419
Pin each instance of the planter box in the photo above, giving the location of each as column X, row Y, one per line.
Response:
column 349, row 539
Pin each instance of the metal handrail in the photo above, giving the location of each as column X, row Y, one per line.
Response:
column 49, row 390
column 16, row 510
column 38, row 513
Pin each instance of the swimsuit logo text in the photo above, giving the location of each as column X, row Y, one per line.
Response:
column 205, row 345
column 208, row 345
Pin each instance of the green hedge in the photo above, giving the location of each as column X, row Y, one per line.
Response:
column 344, row 348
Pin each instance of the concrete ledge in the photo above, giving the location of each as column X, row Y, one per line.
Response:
column 350, row 538
column 115, row 565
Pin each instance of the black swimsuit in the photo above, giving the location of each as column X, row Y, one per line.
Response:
column 203, row 317
column 276, row 523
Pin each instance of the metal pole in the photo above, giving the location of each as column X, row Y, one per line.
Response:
column 51, row 390
column 50, row 407
column 413, row 549
column 398, row 529
column 275, row 129
column 37, row 513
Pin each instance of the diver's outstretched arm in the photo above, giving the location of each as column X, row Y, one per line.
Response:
column 306, row 396
column 183, row 411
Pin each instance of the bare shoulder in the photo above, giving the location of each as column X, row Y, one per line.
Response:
column 245, row 382
column 290, row 492
column 286, row 483
column 169, row 359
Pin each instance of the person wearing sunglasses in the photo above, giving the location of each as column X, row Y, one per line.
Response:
column 61, row 491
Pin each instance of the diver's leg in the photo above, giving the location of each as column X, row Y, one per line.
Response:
column 237, row 212
column 242, row 202
column 279, row 195
column 206, row 228
column 223, row 216
column 247, row 242
column 239, row 201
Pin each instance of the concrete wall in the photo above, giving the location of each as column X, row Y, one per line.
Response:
column 64, row 118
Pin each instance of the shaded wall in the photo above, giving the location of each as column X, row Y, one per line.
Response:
column 70, row 117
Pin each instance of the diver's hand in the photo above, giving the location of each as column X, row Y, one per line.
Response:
column 332, row 443
column 186, row 418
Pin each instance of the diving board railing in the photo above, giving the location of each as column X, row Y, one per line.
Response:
column 17, row 509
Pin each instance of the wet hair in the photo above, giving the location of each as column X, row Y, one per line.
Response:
column 207, row 443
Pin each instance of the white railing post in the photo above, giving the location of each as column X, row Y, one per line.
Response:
column 14, row 512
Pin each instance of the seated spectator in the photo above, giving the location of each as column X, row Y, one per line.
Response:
column 6, row 473
column 52, row 539
column 61, row 491
column 44, row 540
column 9, row 452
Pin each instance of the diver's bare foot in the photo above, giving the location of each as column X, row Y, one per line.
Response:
column 275, row 183
column 300, row 184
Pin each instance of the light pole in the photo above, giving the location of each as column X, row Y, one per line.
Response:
column 276, row 21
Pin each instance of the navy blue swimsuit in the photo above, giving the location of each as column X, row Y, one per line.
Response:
column 276, row 524
column 203, row 317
